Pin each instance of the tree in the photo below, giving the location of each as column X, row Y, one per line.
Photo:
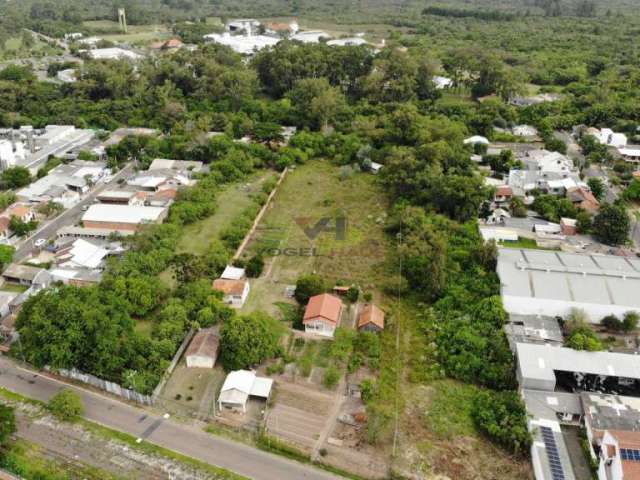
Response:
column 16, row 177
column 7, row 424
column 611, row 224
column 254, row 266
column 503, row 417
column 583, row 221
column 612, row 323
column 66, row 405
column 21, row 228
column 316, row 103
column 630, row 322
column 6, row 255
column 308, row 286
column 517, row 207
column 580, row 333
column 249, row 340
column 597, row 187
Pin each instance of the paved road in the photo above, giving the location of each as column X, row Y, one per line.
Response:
column 68, row 217
column 187, row 440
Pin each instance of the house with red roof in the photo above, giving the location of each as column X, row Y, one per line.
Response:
column 371, row 319
column 322, row 315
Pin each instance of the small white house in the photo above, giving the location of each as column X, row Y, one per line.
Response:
column 239, row 386
column 235, row 292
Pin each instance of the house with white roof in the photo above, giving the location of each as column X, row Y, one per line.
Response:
column 243, row 44
column 311, row 36
column 113, row 53
column 122, row 217
column 239, row 386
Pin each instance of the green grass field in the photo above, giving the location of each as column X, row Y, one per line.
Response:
column 310, row 193
column 140, row 34
column 231, row 202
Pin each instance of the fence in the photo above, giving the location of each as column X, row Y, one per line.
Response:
column 256, row 221
column 109, row 387
column 172, row 365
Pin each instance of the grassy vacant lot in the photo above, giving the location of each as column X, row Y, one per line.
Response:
column 110, row 30
column 307, row 195
column 231, row 202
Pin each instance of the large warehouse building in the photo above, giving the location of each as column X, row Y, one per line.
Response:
column 122, row 217
column 539, row 282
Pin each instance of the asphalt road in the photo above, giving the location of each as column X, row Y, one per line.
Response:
column 184, row 439
column 68, row 217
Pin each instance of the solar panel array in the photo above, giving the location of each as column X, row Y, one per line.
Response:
column 557, row 473
column 630, row 454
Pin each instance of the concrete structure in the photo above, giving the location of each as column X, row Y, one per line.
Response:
column 81, row 232
column 122, row 217
column 524, row 131
column 538, row 366
column 311, row 36
column 235, row 292
column 475, row 139
column 176, row 165
column 537, row 282
column 113, row 53
column 322, row 315
column 67, row 76
column 233, row 273
column 243, row 44
column 24, row 274
column 533, row 329
column 568, row 226
column 347, row 42
column 239, row 386
column 119, row 197
column 242, row 25
column 371, row 319
column 630, row 153
column 202, row 352
column 79, row 277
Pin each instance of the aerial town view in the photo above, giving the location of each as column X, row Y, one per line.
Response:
column 319, row 240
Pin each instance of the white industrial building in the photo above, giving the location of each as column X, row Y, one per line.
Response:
column 31, row 148
column 538, row 365
column 347, row 42
column 539, row 282
column 113, row 53
column 239, row 386
column 243, row 44
column 311, row 36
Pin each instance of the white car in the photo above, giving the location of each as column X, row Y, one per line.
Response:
column 40, row 242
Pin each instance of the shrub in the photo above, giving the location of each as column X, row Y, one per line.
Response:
column 331, row 376
column 254, row 266
column 353, row 294
column 503, row 417
column 66, row 405
column 308, row 286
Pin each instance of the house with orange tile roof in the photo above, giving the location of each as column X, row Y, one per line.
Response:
column 371, row 319
column 235, row 292
column 322, row 315
column 20, row 210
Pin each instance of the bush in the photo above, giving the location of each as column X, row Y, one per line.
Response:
column 331, row 376
column 630, row 321
column 503, row 417
column 66, row 405
column 309, row 286
column 353, row 294
column 254, row 266
column 611, row 323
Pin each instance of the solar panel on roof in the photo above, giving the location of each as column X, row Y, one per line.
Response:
column 630, row 454
column 553, row 456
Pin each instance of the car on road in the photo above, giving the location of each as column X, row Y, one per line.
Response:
column 40, row 242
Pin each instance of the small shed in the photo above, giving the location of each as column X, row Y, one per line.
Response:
column 240, row 385
column 371, row 319
column 375, row 167
column 203, row 349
